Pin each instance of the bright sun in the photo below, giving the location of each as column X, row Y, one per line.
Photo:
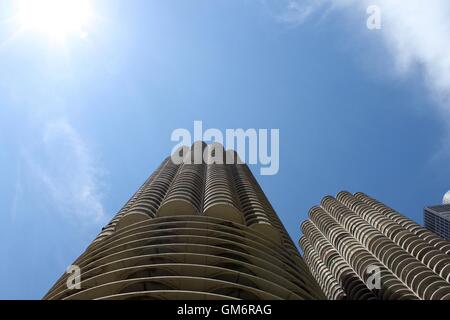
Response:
column 56, row 19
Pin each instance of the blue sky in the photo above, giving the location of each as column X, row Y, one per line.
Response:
column 84, row 122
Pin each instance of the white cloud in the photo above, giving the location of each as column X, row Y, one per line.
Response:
column 66, row 169
column 17, row 193
column 416, row 33
column 298, row 12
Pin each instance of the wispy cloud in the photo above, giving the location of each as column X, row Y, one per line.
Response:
column 298, row 12
column 17, row 192
column 64, row 166
column 414, row 32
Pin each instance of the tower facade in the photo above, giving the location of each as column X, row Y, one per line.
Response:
column 437, row 220
column 358, row 248
column 194, row 230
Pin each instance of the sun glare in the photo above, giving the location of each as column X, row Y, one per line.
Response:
column 55, row 18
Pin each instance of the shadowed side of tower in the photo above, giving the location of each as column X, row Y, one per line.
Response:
column 194, row 230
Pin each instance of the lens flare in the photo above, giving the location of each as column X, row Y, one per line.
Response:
column 55, row 18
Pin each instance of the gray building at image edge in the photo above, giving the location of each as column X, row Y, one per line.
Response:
column 437, row 220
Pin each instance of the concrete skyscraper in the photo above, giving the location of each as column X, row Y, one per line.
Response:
column 358, row 248
column 193, row 231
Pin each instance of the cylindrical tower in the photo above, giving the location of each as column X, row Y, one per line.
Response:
column 371, row 251
column 194, row 230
